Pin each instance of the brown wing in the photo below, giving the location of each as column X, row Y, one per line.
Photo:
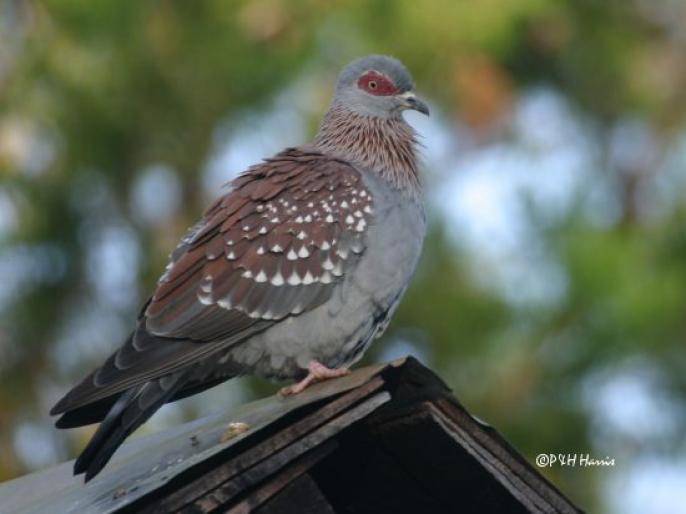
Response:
column 273, row 247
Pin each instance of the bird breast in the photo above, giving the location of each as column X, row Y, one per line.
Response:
column 394, row 242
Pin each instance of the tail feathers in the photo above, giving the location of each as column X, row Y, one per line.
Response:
column 87, row 414
column 133, row 408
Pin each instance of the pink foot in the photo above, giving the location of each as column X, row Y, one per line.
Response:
column 317, row 372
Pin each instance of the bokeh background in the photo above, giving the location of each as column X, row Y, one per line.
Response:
column 552, row 291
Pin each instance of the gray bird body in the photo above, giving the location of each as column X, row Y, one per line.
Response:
column 289, row 275
column 338, row 332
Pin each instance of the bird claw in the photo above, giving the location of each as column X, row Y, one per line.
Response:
column 316, row 372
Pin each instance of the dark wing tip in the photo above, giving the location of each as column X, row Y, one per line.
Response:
column 72, row 399
column 61, row 406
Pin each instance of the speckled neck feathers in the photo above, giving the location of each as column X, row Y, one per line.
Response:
column 386, row 146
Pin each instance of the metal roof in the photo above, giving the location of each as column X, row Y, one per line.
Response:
column 395, row 424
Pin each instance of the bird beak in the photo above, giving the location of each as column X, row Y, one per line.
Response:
column 410, row 101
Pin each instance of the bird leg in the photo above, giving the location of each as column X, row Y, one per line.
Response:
column 316, row 372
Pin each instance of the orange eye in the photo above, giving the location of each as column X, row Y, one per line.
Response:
column 372, row 84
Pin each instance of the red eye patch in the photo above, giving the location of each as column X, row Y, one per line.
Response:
column 376, row 84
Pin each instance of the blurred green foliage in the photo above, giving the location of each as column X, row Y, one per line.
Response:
column 93, row 94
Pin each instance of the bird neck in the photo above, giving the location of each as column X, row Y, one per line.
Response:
column 386, row 146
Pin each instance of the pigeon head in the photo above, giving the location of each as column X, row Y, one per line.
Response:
column 378, row 86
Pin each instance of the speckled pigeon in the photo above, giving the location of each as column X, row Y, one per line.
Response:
column 289, row 276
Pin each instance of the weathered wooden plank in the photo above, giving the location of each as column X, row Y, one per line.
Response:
column 290, row 476
column 302, row 496
column 495, row 455
column 201, row 485
column 221, row 496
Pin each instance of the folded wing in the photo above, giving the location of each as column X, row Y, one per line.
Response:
column 274, row 246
